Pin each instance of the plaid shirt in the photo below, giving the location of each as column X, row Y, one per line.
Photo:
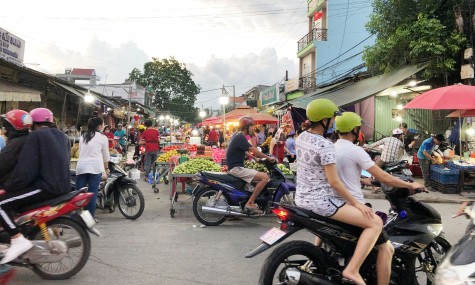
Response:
column 391, row 150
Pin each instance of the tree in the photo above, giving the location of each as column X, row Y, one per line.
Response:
column 172, row 85
column 415, row 31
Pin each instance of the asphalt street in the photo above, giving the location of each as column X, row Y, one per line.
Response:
column 158, row 249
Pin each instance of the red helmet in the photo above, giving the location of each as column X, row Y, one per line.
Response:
column 246, row 122
column 19, row 119
column 41, row 115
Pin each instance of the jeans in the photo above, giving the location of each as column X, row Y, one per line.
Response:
column 150, row 157
column 93, row 181
column 425, row 167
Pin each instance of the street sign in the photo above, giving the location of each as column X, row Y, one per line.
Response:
column 466, row 71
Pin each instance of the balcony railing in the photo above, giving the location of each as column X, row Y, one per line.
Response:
column 314, row 35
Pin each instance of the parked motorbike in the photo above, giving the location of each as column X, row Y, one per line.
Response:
column 458, row 265
column 415, row 231
column 218, row 195
column 58, row 229
column 118, row 190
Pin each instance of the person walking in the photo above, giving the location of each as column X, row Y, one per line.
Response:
column 151, row 139
column 110, row 136
column 120, row 133
column 213, row 138
column 425, row 157
column 93, row 160
column 290, row 146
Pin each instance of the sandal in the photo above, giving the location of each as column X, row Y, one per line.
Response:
column 253, row 210
column 376, row 190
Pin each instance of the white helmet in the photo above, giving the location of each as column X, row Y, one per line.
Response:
column 397, row 131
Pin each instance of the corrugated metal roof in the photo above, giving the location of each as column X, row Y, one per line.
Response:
column 11, row 91
column 358, row 91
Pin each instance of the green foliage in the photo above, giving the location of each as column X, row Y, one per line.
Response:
column 172, row 85
column 425, row 32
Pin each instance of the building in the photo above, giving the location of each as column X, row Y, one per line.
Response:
column 253, row 94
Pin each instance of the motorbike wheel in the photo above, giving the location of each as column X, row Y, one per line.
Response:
column 290, row 255
column 430, row 258
column 130, row 201
column 71, row 232
column 203, row 197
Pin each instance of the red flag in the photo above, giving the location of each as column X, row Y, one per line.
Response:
column 317, row 15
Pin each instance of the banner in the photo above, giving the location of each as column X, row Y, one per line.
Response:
column 12, row 47
column 318, row 19
column 270, row 95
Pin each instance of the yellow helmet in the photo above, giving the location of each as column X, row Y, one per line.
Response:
column 141, row 127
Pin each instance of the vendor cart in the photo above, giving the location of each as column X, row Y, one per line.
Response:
column 160, row 170
column 177, row 178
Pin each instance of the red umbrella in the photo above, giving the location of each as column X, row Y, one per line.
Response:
column 454, row 97
column 465, row 113
column 260, row 118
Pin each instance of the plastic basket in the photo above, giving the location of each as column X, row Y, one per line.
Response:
column 444, row 175
column 445, row 188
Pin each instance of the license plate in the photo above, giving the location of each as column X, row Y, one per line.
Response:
column 88, row 219
column 407, row 171
column 272, row 235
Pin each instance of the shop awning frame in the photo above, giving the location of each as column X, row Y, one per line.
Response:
column 358, row 91
column 11, row 91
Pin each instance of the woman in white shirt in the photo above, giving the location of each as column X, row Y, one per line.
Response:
column 93, row 159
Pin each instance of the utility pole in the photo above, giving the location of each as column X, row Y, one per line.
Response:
column 234, row 93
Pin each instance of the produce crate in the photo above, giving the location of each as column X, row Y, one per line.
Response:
column 446, row 188
column 444, row 175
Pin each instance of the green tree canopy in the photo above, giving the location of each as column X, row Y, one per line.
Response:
column 415, row 31
column 172, row 85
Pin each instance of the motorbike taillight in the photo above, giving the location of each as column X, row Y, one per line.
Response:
column 282, row 214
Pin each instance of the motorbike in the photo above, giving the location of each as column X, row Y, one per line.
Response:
column 219, row 195
column 458, row 265
column 58, row 229
column 414, row 229
column 140, row 158
column 118, row 190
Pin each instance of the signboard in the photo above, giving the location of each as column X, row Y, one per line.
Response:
column 12, row 47
column 292, row 84
column 466, row 71
column 318, row 19
column 467, row 53
column 270, row 95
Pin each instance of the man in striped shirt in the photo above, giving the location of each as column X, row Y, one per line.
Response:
column 392, row 148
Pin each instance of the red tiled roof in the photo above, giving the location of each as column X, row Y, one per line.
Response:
column 241, row 99
column 80, row 71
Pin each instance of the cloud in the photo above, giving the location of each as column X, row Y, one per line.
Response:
column 245, row 72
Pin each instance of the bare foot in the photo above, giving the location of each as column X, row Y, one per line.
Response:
column 353, row 277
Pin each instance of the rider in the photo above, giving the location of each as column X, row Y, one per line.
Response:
column 41, row 173
column 17, row 124
column 351, row 160
column 320, row 190
column 392, row 149
column 235, row 156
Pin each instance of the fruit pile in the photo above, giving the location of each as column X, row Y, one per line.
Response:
column 75, row 151
column 170, row 147
column 284, row 169
column 200, row 149
column 218, row 154
column 224, row 168
column 192, row 148
column 195, row 166
column 166, row 156
column 255, row 165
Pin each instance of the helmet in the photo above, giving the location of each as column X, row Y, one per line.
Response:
column 397, row 131
column 347, row 122
column 320, row 109
column 246, row 122
column 141, row 127
column 19, row 119
column 41, row 115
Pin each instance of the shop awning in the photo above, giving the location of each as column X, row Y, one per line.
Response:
column 358, row 91
column 10, row 91
column 82, row 93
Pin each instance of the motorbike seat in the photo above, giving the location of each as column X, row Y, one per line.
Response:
column 391, row 164
column 308, row 213
column 55, row 201
column 226, row 178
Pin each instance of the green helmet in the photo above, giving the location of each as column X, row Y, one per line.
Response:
column 320, row 109
column 347, row 122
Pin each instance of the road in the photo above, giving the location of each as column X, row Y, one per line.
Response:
column 158, row 249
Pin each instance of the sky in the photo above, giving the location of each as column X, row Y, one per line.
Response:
column 242, row 43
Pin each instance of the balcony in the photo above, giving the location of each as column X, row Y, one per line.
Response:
column 314, row 35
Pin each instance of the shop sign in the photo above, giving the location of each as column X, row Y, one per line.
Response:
column 291, row 84
column 12, row 47
column 270, row 95
column 468, row 53
column 466, row 71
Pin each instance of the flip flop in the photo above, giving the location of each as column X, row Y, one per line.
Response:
column 345, row 280
column 253, row 210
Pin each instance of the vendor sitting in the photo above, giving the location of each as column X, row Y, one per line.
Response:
column 187, row 142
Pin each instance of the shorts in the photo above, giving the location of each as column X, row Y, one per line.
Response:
column 327, row 207
column 245, row 174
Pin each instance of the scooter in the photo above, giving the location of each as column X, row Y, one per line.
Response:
column 219, row 195
column 458, row 265
column 58, row 229
column 118, row 190
column 415, row 231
